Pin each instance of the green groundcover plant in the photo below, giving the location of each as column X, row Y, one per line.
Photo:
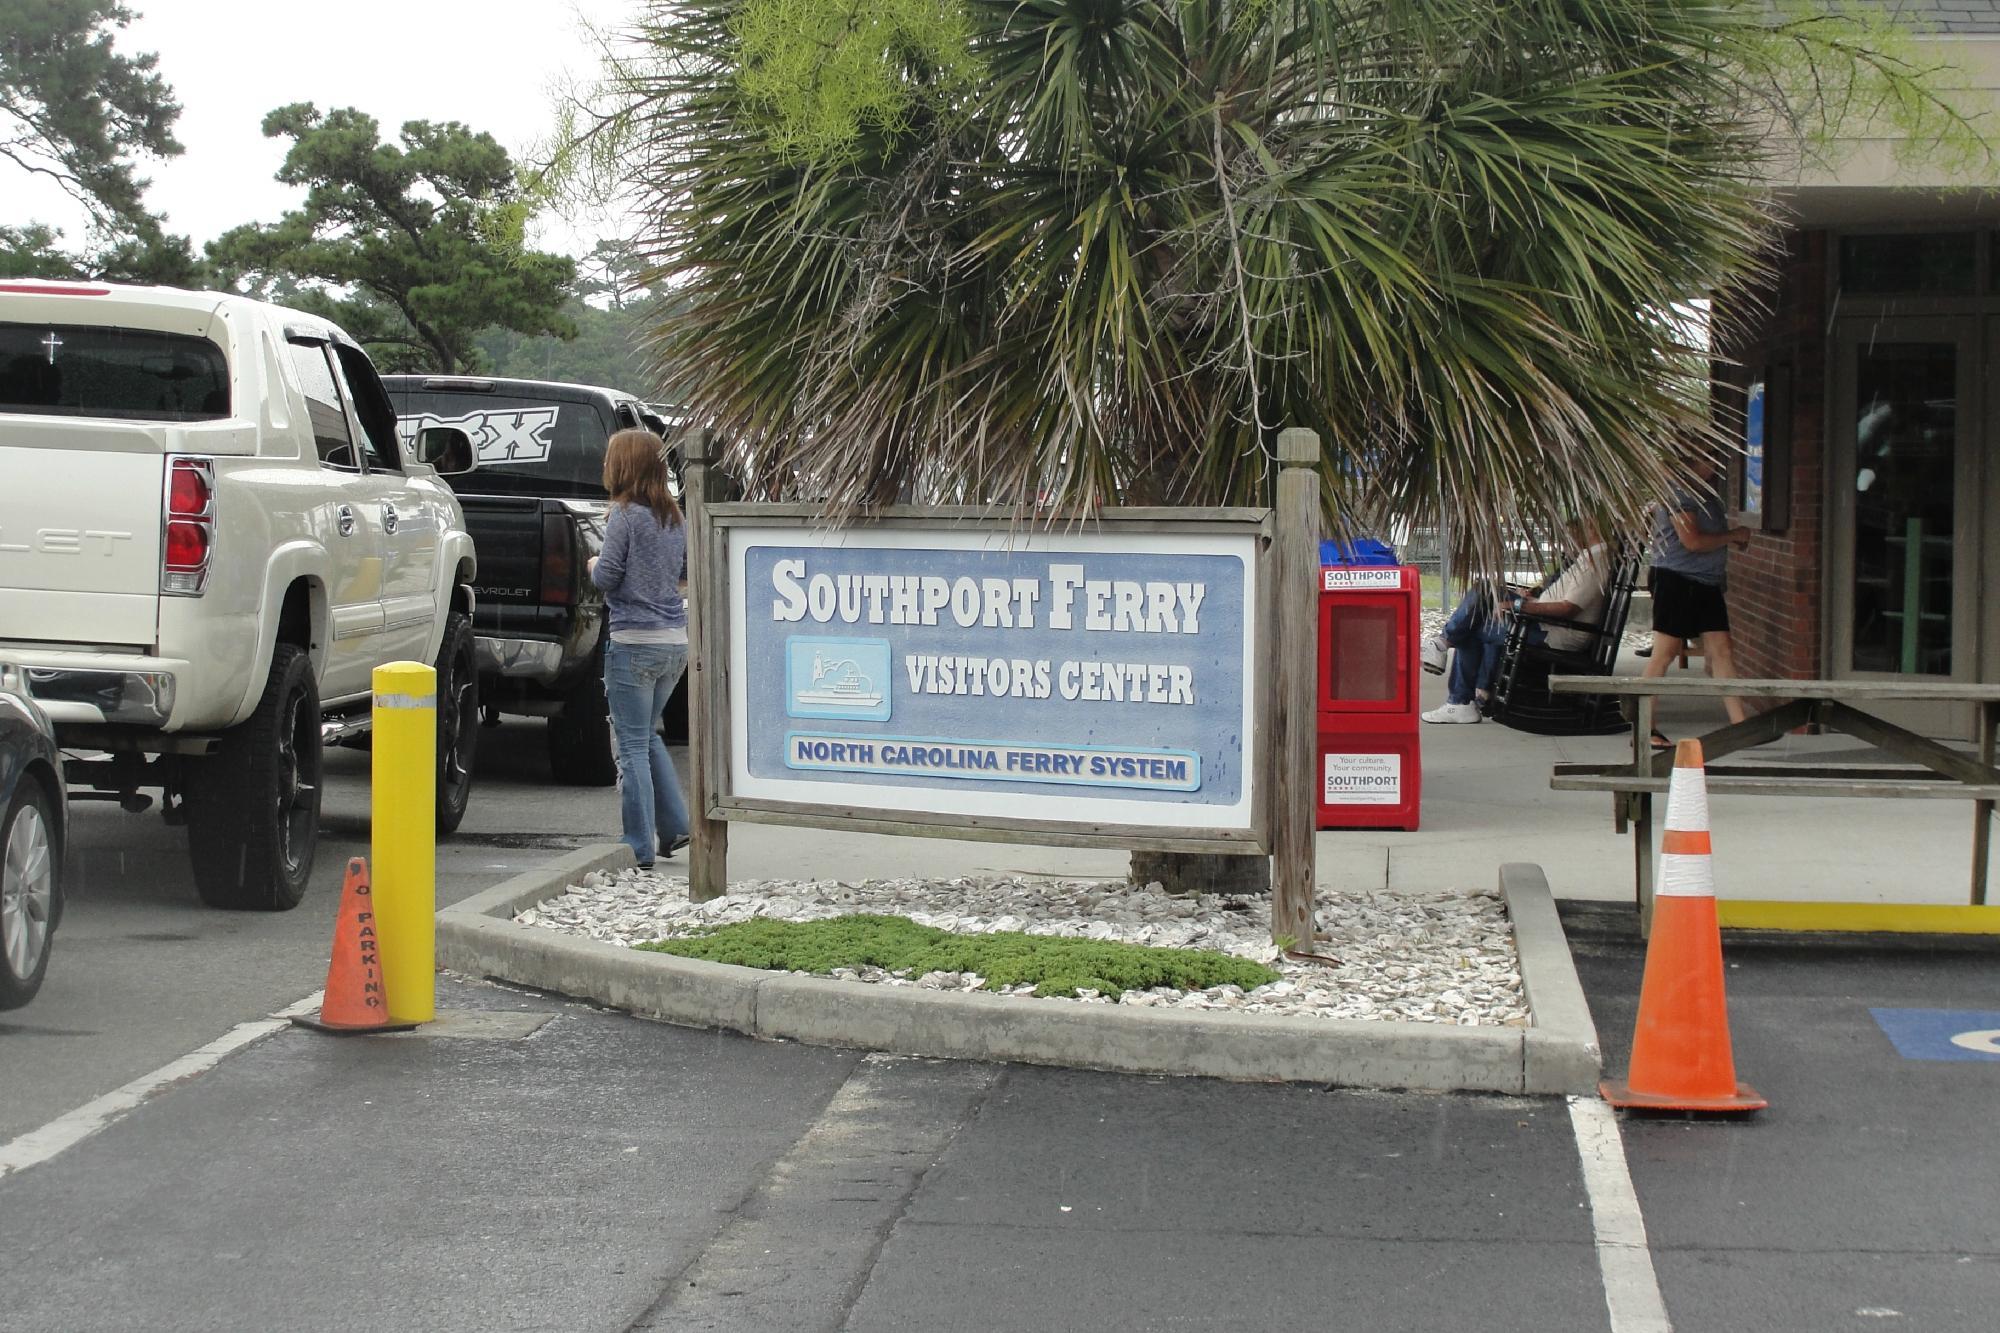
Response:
column 1055, row 966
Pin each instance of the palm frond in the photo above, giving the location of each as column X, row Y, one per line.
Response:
column 1449, row 235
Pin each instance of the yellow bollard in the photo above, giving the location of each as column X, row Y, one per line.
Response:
column 403, row 837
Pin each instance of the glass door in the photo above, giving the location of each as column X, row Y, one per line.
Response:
column 1986, row 503
column 1903, row 513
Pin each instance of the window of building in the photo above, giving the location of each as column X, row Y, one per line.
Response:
column 1905, row 445
column 1939, row 263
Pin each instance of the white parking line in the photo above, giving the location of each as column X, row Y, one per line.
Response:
column 39, row 1145
column 1631, row 1289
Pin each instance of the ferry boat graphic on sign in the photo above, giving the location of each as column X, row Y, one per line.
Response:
column 850, row 691
column 845, row 678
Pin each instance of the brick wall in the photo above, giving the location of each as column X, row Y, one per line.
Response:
column 1774, row 587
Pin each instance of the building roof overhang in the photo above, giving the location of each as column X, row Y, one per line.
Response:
column 1869, row 179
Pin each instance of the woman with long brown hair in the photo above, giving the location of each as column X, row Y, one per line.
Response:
column 640, row 571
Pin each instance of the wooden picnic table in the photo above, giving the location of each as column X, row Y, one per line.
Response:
column 1930, row 769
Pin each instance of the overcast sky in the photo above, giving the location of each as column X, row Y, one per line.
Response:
column 494, row 66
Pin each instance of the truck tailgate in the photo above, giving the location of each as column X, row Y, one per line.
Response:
column 507, row 533
column 79, row 533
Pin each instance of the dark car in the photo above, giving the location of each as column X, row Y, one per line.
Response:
column 32, row 810
column 534, row 501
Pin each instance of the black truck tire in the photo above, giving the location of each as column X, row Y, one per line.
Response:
column 253, row 805
column 457, row 722
column 581, row 748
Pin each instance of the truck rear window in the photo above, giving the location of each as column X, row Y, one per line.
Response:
column 524, row 446
column 83, row 370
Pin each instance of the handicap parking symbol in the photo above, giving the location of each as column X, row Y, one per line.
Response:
column 1942, row 1034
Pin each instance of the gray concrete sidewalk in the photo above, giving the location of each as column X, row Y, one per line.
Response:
column 1487, row 801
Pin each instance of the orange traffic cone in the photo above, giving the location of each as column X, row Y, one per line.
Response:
column 1681, row 1060
column 354, row 1001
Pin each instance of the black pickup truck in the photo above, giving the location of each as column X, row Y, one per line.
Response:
column 534, row 502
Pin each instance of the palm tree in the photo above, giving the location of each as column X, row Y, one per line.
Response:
column 1077, row 251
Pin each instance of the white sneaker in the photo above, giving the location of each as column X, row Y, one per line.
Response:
column 1453, row 713
column 1434, row 656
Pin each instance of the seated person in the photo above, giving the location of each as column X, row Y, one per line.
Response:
column 1478, row 632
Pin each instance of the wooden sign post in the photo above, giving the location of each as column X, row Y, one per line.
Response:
column 708, row 847
column 1293, row 716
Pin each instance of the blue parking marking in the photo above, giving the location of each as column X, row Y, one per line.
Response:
column 1942, row 1034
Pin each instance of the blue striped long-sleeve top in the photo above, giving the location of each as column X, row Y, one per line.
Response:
column 640, row 570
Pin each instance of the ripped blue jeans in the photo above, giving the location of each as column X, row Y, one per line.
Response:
column 639, row 678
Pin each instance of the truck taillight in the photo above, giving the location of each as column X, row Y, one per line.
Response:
column 558, row 560
column 190, row 526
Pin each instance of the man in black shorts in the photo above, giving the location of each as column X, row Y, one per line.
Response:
column 1691, row 541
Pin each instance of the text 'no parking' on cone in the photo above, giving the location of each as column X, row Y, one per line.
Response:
column 354, row 1000
column 1681, row 1057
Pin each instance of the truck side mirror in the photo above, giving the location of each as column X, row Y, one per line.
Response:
column 446, row 448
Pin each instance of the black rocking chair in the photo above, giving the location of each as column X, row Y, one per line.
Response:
column 1521, row 698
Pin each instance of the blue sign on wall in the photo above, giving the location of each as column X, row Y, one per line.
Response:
column 1753, row 448
column 1090, row 678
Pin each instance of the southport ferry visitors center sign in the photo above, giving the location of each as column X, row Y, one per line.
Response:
column 969, row 670
column 1138, row 678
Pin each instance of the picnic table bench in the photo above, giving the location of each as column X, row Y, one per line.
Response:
column 1931, row 770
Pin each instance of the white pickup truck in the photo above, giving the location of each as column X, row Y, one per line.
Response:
column 209, row 538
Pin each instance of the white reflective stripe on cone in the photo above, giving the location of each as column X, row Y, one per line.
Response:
column 1687, row 801
column 1685, row 875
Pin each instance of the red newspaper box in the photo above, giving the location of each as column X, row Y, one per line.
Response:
column 1370, row 763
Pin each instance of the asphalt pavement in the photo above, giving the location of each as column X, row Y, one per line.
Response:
column 1868, row 1194
column 534, row 1163
column 601, row 1173
column 143, row 973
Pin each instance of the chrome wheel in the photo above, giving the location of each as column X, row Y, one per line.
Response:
column 457, row 723
column 298, row 782
column 463, row 724
column 27, row 890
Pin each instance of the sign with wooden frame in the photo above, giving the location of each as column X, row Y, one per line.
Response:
column 1142, row 679
column 951, row 672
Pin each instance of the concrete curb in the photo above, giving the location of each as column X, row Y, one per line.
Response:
column 1560, row 1051
column 1557, row 1054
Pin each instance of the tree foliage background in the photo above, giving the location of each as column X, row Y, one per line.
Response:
column 414, row 246
column 614, row 303
column 76, row 111
column 417, row 246
column 1074, row 251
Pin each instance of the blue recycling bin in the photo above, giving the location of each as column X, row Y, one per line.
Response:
column 1362, row 551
